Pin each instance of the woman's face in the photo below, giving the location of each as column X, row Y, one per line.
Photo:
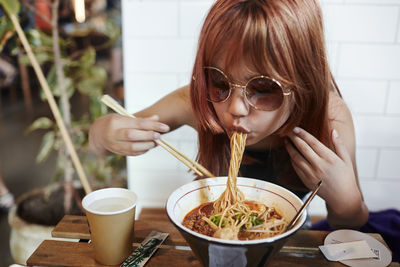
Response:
column 236, row 114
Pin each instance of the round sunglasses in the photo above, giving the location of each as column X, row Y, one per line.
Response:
column 261, row 92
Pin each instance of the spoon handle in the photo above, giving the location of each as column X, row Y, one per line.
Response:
column 297, row 216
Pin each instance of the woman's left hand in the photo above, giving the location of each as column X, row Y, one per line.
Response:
column 313, row 161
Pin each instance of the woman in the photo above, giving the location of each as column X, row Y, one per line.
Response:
column 260, row 68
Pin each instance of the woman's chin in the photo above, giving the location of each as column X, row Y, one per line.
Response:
column 251, row 139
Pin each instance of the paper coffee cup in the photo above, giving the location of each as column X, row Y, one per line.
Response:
column 111, row 216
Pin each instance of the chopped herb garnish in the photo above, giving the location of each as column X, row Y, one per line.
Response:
column 256, row 221
column 238, row 216
column 215, row 219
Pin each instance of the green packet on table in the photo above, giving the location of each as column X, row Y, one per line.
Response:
column 143, row 253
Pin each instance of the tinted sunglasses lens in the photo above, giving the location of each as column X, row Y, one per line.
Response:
column 264, row 94
column 217, row 85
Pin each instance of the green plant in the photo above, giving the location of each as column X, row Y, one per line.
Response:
column 84, row 76
column 67, row 74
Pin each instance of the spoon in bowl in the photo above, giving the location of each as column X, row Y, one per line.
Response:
column 297, row 216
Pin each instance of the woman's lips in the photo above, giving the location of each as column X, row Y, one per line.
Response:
column 240, row 129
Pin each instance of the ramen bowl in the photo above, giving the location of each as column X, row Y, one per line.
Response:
column 213, row 251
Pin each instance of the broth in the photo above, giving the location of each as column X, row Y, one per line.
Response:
column 195, row 222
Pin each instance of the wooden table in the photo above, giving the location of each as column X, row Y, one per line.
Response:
column 301, row 249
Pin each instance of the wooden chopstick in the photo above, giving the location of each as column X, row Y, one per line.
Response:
column 193, row 165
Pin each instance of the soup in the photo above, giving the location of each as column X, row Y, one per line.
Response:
column 260, row 222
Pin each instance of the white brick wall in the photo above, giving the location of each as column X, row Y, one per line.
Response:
column 363, row 43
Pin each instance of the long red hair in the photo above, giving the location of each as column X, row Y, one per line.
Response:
column 280, row 38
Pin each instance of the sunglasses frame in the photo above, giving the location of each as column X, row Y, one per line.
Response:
column 244, row 88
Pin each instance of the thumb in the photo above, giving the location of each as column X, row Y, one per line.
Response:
column 340, row 148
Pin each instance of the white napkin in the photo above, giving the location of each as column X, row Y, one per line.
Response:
column 347, row 251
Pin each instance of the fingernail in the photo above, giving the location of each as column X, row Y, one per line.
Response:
column 164, row 127
column 157, row 135
column 296, row 130
column 335, row 133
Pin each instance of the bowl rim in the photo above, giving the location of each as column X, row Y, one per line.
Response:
column 169, row 208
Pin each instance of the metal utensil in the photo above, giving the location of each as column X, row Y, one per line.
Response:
column 297, row 216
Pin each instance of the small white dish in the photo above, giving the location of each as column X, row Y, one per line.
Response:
column 384, row 254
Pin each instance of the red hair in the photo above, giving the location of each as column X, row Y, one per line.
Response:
column 280, row 38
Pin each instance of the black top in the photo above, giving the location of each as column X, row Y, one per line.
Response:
column 272, row 166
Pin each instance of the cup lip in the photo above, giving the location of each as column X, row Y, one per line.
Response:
column 298, row 225
column 94, row 195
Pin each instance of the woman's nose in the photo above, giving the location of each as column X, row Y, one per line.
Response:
column 238, row 105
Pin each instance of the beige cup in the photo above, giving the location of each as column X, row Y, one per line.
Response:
column 111, row 216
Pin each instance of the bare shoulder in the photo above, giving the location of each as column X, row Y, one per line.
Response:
column 173, row 109
column 338, row 112
column 186, row 106
column 341, row 120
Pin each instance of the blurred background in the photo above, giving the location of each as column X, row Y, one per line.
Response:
column 85, row 63
column 138, row 51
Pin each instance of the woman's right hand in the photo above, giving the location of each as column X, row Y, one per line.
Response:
column 124, row 135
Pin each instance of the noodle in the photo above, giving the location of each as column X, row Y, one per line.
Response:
column 232, row 194
column 233, row 217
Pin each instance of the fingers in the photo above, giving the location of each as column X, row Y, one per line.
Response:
column 302, row 149
column 306, row 141
column 312, row 158
column 302, row 167
column 135, row 135
column 147, row 124
column 124, row 128
column 340, row 148
column 310, row 147
column 309, row 156
column 141, row 130
column 130, row 136
column 298, row 160
column 132, row 148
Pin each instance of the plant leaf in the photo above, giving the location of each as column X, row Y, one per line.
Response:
column 97, row 109
column 40, row 123
column 93, row 82
column 38, row 38
column 88, row 58
column 41, row 57
column 11, row 6
column 51, row 77
column 46, row 147
column 60, row 166
column 69, row 86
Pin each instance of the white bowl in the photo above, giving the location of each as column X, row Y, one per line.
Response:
column 218, row 252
